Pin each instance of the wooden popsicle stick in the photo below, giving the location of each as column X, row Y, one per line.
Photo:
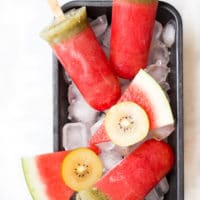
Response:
column 57, row 11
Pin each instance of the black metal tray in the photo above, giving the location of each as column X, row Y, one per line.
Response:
column 164, row 14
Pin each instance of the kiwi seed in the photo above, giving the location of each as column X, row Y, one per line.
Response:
column 126, row 123
column 81, row 170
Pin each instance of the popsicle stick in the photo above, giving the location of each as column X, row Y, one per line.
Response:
column 57, row 12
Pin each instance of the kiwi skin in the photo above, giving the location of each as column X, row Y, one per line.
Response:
column 91, row 194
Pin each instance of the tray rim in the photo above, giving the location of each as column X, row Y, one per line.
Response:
column 179, row 91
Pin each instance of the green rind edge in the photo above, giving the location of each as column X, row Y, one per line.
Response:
column 162, row 96
column 33, row 189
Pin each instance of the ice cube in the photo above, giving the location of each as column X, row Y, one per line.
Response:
column 99, row 25
column 106, row 146
column 159, row 191
column 106, row 51
column 159, row 54
column 157, row 31
column 73, row 94
column 162, row 187
column 75, row 135
column 158, row 72
column 106, row 37
column 110, row 159
column 169, row 33
column 153, row 195
column 81, row 111
column 97, row 125
column 123, row 151
column 66, row 77
column 162, row 132
column 165, row 86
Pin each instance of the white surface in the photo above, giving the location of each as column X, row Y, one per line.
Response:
column 26, row 92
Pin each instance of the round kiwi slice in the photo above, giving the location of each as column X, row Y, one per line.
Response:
column 81, row 169
column 126, row 123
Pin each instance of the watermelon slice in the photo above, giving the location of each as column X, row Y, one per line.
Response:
column 138, row 173
column 147, row 93
column 43, row 177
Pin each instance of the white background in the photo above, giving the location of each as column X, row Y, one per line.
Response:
column 26, row 92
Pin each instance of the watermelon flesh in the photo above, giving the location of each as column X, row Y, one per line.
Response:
column 131, row 34
column 147, row 93
column 43, row 177
column 138, row 173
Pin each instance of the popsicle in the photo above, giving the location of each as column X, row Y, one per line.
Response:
column 138, row 173
column 131, row 33
column 79, row 52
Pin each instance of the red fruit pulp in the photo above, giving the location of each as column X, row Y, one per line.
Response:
column 131, row 33
column 87, row 65
column 49, row 167
column 138, row 173
column 135, row 94
column 99, row 136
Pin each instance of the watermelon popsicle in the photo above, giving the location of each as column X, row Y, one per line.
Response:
column 131, row 34
column 78, row 50
column 138, row 173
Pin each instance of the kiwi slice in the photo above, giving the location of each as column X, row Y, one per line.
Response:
column 81, row 168
column 91, row 194
column 126, row 123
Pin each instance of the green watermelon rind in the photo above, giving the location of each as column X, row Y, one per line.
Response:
column 156, row 97
column 33, row 180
